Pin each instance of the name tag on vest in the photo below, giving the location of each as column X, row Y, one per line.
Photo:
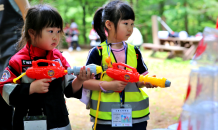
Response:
column 35, row 125
column 121, row 117
column 35, row 122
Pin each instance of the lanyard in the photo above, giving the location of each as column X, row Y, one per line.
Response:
column 109, row 48
column 121, row 99
column 122, row 93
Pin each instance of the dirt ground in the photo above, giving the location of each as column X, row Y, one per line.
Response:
column 165, row 104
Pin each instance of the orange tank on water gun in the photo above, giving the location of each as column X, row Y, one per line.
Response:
column 133, row 76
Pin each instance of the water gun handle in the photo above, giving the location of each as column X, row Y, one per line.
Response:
column 35, row 63
column 15, row 79
column 115, row 66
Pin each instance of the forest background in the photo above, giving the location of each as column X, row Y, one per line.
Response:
column 191, row 16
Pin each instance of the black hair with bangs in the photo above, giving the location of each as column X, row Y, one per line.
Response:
column 113, row 11
column 39, row 17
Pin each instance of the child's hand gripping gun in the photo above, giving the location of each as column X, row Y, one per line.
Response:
column 57, row 71
column 133, row 76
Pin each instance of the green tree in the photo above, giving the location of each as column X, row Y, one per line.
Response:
column 191, row 16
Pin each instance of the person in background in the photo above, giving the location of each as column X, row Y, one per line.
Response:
column 67, row 32
column 12, row 15
column 73, row 24
column 94, row 37
column 136, row 38
column 74, row 36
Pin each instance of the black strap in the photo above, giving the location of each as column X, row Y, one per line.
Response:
column 100, row 49
column 136, row 48
column 13, row 71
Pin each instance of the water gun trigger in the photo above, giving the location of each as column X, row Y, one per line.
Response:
column 49, row 81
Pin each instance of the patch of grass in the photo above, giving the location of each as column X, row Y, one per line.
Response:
column 157, row 108
column 176, row 65
column 161, row 54
column 176, row 118
column 163, row 113
column 157, row 89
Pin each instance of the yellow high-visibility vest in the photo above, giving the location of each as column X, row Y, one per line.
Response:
column 134, row 96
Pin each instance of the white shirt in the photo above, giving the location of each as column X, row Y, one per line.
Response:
column 73, row 25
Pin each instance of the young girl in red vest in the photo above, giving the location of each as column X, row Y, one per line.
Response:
column 40, row 104
column 118, row 19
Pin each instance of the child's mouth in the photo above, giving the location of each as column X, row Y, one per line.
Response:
column 53, row 44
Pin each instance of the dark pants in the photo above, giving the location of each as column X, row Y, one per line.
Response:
column 6, row 115
column 74, row 42
column 137, row 126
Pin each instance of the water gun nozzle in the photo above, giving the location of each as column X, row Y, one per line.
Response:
column 167, row 83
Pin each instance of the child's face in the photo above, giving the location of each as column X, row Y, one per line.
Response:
column 50, row 38
column 124, row 29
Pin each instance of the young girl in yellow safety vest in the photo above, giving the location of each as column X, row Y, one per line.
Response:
column 129, row 109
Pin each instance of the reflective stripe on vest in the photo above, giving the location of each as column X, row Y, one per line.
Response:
column 133, row 95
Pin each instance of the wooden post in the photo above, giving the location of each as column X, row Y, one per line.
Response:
column 156, row 40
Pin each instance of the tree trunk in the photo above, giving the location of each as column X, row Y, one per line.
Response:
column 84, row 22
column 161, row 8
column 161, row 11
column 65, row 10
column 186, row 16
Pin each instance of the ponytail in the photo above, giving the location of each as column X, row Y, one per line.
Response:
column 99, row 24
column 114, row 11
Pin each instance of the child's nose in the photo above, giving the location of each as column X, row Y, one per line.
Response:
column 55, row 36
column 129, row 29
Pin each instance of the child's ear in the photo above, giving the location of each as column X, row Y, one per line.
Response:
column 31, row 33
column 108, row 24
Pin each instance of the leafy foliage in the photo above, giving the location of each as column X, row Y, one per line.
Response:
column 199, row 14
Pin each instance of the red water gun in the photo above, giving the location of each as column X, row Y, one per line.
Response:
column 54, row 70
column 133, row 76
